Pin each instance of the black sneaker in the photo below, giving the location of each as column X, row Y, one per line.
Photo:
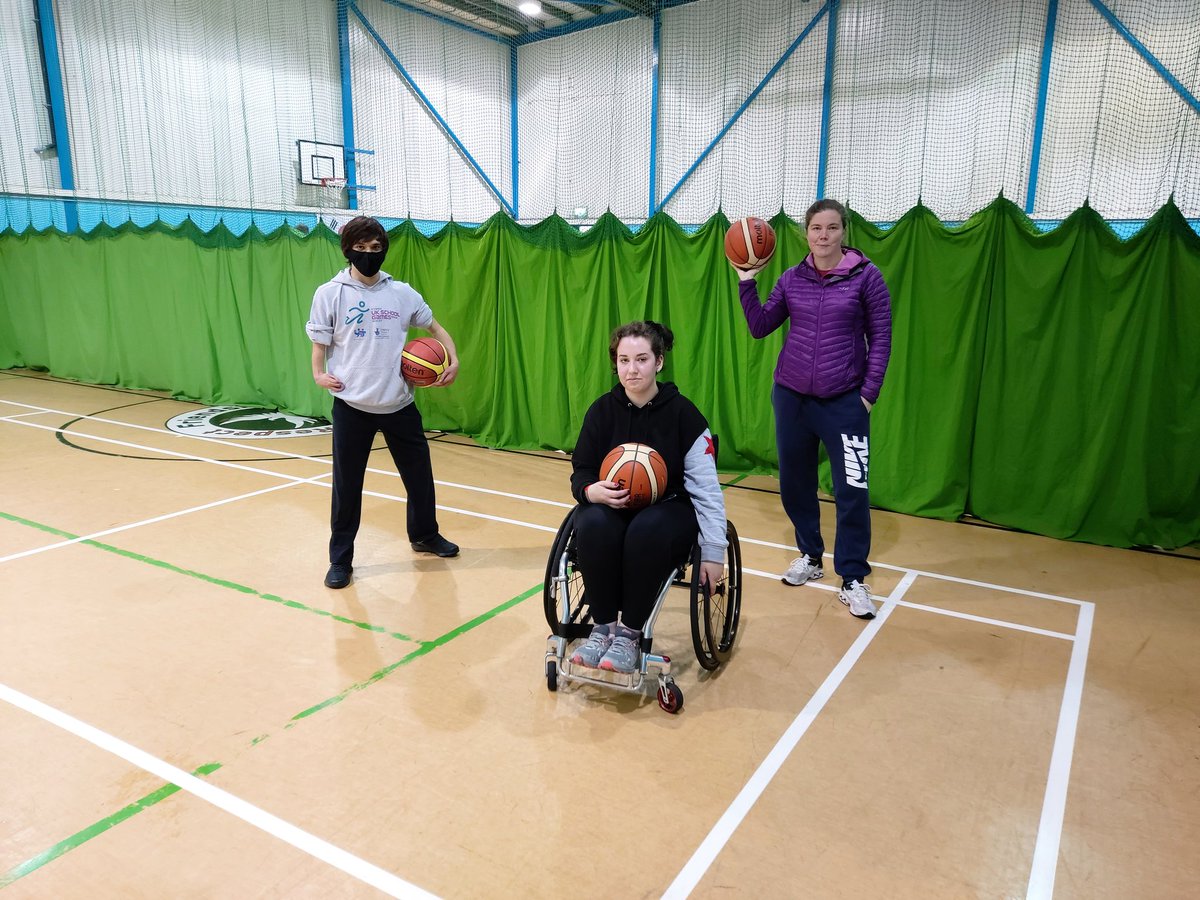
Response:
column 437, row 545
column 338, row 576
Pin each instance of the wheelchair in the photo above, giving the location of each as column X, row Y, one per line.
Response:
column 714, row 618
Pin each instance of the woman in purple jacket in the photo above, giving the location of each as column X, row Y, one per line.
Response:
column 827, row 379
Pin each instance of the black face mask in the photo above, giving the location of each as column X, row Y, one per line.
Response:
column 366, row 263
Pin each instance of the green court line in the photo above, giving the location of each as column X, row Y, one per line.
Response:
column 167, row 790
column 81, row 837
column 741, row 477
column 426, row 647
column 220, row 582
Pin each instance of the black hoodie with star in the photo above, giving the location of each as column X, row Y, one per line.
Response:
column 672, row 425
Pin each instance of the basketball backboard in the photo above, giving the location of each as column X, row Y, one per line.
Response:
column 320, row 161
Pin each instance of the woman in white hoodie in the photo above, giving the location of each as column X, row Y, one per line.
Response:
column 358, row 326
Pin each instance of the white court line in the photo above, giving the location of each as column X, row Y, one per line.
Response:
column 473, row 488
column 183, row 512
column 277, row 454
column 204, row 459
column 357, row 868
column 292, row 479
column 984, row 620
column 695, row 868
column 1016, row 626
column 1054, row 802
column 880, row 565
column 1050, row 826
column 18, row 415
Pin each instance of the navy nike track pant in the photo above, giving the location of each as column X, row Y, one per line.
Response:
column 842, row 424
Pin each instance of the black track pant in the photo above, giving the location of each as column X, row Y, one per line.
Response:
column 625, row 556
column 353, row 433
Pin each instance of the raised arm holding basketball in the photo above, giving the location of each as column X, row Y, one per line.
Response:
column 829, row 375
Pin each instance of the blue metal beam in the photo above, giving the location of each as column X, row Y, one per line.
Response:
column 654, row 109
column 571, row 27
column 827, row 97
column 1039, row 124
column 512, row 140
column 1149, row 57
column 594, row 22
column 429, row 106
column 448, row 21
column 745, row 105
column 58, row 107
column 343, row 27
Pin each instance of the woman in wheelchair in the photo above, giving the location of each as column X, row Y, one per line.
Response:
column 624, row 555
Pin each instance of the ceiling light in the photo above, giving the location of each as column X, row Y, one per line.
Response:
column 530, row 7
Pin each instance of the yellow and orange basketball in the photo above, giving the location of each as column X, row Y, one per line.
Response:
column 423, row 361
column 638, row 468
column 749, row 242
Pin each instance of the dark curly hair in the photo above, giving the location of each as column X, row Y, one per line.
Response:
column 363, row 228
column 661, row 338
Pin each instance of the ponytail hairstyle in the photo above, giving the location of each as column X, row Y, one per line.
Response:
column 661, row 338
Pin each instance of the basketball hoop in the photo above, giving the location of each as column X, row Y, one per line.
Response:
column 336, row 183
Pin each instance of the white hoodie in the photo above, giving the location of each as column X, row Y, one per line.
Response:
column 364, row 328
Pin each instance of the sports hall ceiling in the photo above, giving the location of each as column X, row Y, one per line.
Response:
column 504, row 18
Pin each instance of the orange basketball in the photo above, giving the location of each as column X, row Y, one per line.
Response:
column 749, row 242
column 423, row 361
column 640, row 469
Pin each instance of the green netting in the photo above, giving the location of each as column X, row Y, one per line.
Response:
column 1043, row 381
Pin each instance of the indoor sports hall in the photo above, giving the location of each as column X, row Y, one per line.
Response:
column 186, row 710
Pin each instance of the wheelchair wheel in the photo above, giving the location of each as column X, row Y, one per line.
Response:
column 670, row 697
column 731, row 616
column 556, row 595
column 715, row 614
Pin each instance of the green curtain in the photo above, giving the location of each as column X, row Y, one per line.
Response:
column 1047, row 382
column 1088, row 424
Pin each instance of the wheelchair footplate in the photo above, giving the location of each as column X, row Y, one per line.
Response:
column 559, row 666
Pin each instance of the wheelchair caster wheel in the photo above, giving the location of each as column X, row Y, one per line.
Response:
column 670, row 698
column 552, row 676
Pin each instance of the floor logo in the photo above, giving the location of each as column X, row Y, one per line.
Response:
column 254, row 422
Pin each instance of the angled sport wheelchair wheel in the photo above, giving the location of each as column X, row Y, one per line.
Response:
column 565, row 604
column 715, row 615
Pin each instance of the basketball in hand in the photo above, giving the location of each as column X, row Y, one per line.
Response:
column 638, row 468
column 749, row 242
column 423, row 361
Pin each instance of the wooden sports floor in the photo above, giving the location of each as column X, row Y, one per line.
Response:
column 185, row 710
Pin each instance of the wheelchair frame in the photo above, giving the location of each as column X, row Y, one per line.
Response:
column 714, row 618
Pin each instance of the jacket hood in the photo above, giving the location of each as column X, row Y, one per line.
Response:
column 344, row 277
column 667, row 391
column 852, row 260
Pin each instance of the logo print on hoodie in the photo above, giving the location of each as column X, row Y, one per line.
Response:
column 362, row 309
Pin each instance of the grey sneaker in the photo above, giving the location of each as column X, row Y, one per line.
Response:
column 803, row 568
column 857, row 596
column 589, row 652
column 623, row 656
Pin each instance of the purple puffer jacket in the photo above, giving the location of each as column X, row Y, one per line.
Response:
column 840, row 334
